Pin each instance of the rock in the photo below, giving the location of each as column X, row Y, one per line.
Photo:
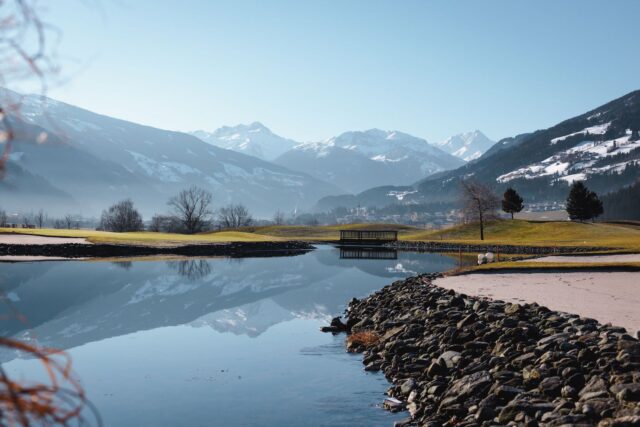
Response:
column 484, row 413
column 628, row 392
column 627, row 421
column 511, row 309
column 450, row 359
column 436, row 369
column 551, row 386
column 335, row 326
column 407, row 386
column 392, row 404
column 569, row 392
column 595, row 385
column 403, row 423
column 475, row 385
column 507, row 393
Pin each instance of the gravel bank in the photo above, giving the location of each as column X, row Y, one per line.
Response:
column 467, row 361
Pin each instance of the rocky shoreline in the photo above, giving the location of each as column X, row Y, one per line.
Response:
column 465, row 361
column 233, row 250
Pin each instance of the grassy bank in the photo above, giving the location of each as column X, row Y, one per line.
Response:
column 535, row 233
column 624, row 236
column 147, row 237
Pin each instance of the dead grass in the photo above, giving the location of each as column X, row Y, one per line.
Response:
column 366, row 339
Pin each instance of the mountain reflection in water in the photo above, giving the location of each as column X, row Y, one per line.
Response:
column 272, row 306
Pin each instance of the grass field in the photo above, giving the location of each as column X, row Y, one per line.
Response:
column 625, row 236
column 539, row 233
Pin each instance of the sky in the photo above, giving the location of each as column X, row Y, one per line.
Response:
column 310, row 70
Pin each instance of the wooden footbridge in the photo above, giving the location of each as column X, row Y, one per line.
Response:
column 367, row 237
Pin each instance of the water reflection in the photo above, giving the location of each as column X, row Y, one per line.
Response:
column 367, row 253
column 125, row 265
column 192, row 269
column 200, row 341
column 67, row 304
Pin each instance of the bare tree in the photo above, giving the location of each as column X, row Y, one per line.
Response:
column 278, row 218
column 26, row 219
column 234, row 216
column 191, row 208
column 121, row 217
column 68, row 221
column 3, row 218
column 40, row 218
column 479, row 203
column 166, row 224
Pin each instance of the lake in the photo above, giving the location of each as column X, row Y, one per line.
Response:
column 208, row 342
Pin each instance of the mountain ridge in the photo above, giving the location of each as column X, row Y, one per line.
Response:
column 601, row 146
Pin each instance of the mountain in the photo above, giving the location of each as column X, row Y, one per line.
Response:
column 600, row 147
column 359, row 160
column 468, row 146
column 89, row 161
column 254, row 139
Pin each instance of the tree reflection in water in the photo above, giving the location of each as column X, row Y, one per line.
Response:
column 125, row 265
column 192, row 269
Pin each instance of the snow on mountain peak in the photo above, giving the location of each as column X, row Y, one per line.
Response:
column 467, row 146
column 254, row 139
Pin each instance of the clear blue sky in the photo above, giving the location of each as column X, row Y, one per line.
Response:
column 312, row 69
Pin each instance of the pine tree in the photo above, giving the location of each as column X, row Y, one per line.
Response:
column 512, row 202
column 595, row 205
column 583, row 204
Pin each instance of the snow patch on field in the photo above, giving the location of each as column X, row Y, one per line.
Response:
column 593, row 130
column 577, row 162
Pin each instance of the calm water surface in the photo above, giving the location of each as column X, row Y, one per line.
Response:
column 208, row 342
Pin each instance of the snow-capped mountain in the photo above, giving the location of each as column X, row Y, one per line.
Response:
column 601, row 147
column 358, row 160
column 88, row 161
column 254, row 139
column 468, row 146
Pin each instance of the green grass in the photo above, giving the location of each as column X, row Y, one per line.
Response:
column 539, row 233
column 146, row 237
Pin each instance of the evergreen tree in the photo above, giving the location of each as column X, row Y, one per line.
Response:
column 512, row 202
column 583, row 204
column 595, row 205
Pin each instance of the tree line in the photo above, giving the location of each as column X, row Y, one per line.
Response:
column 190, row 211
column 623, row 204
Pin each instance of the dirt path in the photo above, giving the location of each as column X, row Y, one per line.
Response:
column 606, row 296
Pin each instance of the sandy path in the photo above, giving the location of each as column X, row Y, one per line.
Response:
column 27, row 239
column 588, row 258
column 608, row 297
